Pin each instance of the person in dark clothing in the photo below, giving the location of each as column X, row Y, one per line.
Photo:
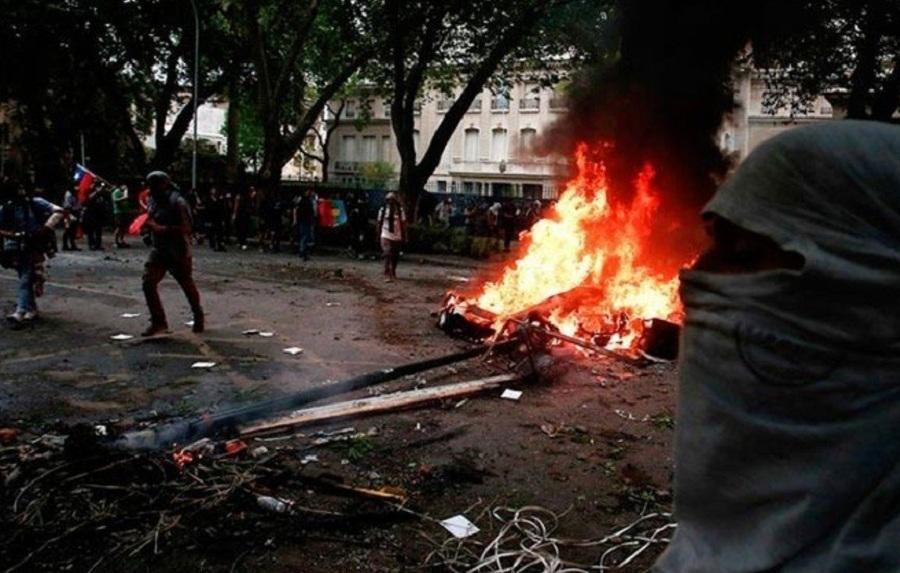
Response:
column 508, row 219
column 272, row 214
column 304, row 221
column 169, row 225
column 243, row 209
column 94, row 217
column 216, row 215
column 357, row 209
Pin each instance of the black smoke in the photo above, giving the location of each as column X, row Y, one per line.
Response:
column 659, row 96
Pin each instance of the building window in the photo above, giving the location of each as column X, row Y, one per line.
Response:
column 558, row 99
column 384, row 153
column 476, row 106
column 348, row 148
column 444, row 103
column 370, row 148
column 526, row 141
column 532, row 99
column 416, row 142
column 500, row 101
column 441, row 186
column 471, row 147
column 498, row 144
column 350, row 110
column 386, row 109
column 453, row 187
column 468, row 187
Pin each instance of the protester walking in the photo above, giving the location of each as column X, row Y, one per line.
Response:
column 392, row 230
column 508, row 219
column 26, row 229
column 241, row 217
column 304, row 222
column 170, row 226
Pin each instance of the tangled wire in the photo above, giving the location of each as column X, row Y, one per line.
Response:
column 525, row 542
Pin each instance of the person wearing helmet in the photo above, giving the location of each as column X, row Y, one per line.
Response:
column 169, row 225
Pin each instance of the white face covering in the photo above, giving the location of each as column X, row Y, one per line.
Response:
column 788, row 435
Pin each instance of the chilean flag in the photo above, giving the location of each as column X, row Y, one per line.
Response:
column 84, row 179
column 332, row 213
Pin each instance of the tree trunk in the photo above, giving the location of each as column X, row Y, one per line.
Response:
column 232, row 131
column 863, row 77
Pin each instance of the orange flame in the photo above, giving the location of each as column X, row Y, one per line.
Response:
column 589, row 242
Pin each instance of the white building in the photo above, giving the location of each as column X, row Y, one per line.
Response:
column 751, row 124
column 490, row 153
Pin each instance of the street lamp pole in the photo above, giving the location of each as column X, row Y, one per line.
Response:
column 196, row 81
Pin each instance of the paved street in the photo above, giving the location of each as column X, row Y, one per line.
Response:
column 593, row 435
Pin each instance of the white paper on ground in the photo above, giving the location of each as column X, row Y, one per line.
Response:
column 267, row 334
column 460, row 527
column 250, row 331
column 511, row 394
column 293, row 350
column 331, row 304
column 121, row 337
column 130, row 314
column 203, row 364
column 189, row 323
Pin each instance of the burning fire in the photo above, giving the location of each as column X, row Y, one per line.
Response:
column 590, row 254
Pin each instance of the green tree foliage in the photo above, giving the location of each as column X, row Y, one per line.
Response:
column 847, row 49
column 458, row 47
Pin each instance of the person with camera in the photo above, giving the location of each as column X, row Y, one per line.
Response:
column 26, row 230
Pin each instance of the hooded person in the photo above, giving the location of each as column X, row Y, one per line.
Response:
column 786, row 456
column 26, row 232
column 169, row 224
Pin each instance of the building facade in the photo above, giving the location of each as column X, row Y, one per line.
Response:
column 491, row 153
column 751, row 123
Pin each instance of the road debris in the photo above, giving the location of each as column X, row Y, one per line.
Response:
column 293, row 350
column 509, row 394
column 122, row 336
column 460, row 526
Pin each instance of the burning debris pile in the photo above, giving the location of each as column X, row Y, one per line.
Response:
column 587, row 271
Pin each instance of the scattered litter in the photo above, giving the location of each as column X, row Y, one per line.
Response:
column 629, row 416
column 459, row 279
column 461, row 403
column 259, row 451
column 293, row 350
column 267, row 334
column 130, row 314
column 527, row 539
column 418, row 426
column 250, row 332
column 121, row 336
column 273, row 504
column 189, row 323
column 460, row 527
column 309, row 459
column 203, row 364
column 100, row 430
column 511, row 394
column 234, row 447
column 553, row 430
column 332, row 304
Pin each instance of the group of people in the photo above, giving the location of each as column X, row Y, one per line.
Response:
column 171, row 223
column 503, row 220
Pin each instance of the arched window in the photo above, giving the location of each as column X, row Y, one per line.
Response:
column 417, row 143
column 471, row 141
column 498, row 144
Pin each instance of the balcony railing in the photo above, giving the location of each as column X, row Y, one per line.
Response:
column 476, row 106
column 500, row 103
column 352, row 166
column 530, row 103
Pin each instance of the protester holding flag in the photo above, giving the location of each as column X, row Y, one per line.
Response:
column 94, row 217
column 169, row 223
column 26, row 229
column 392, row 229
